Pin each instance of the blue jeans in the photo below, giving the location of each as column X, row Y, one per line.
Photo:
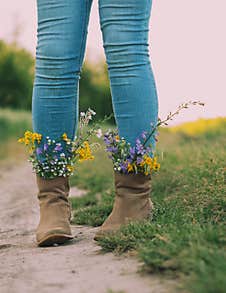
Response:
column 61, row 41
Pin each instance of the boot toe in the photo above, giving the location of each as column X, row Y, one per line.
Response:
column 106, row 230
column 53, row 237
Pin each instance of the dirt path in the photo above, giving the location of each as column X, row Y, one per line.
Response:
column 79, row 267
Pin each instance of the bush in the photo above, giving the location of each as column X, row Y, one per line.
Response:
column 16, row 76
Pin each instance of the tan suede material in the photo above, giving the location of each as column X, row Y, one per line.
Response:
column 132, row 202
column 55, row 210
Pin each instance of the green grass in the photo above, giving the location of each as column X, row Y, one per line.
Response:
column 13, row 123
column 186, row 237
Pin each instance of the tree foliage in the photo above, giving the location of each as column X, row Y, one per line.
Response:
column 16, row 76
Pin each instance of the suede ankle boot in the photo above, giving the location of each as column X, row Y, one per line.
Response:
column 132, row 202
column 55, row 211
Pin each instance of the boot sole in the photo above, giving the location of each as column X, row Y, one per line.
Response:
column 50, row 240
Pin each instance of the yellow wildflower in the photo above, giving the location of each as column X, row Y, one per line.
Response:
column 21, row 140
column 30, row 137
column 36, row 136
column 31, row 149
column 156, row 166
column 70, row 168
column 142, row 163
column 149, row 161
column 117, row 138
column 85, row 152
column 130, row 167
column 64, row 136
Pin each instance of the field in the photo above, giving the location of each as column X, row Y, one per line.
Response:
column 186, row 238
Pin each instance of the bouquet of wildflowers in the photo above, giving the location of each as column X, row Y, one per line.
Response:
column 59, row 157
column 140, row 158
column 127, row 159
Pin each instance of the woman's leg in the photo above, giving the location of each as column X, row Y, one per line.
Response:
column 125, row 27
column 61, row 40
column 62, row 32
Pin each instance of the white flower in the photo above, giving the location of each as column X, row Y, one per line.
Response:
column 91, row 111
column 82, row 114
column 99, row 133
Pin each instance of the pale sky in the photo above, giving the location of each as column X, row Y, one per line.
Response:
column 187, row 49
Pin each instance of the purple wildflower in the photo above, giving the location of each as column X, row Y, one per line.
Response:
column 112, row 149
column 45, row 146
column 123, row 166
column 139, row 160
column 148, row 151
column 143, row 134
column 129, row 160
column 38, row 151
column 58, row 148
column 139, row 147
column 138, row 141
column 106, row 140
column 132, row 152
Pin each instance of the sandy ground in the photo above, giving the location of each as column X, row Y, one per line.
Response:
column 77, row 267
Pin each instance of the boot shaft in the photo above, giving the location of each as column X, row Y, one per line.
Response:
column 132, row 185
column 53, row 189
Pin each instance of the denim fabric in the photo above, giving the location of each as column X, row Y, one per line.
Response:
column 61, row 41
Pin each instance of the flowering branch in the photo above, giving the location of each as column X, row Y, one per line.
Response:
column 171, row 115
column 140, row 157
